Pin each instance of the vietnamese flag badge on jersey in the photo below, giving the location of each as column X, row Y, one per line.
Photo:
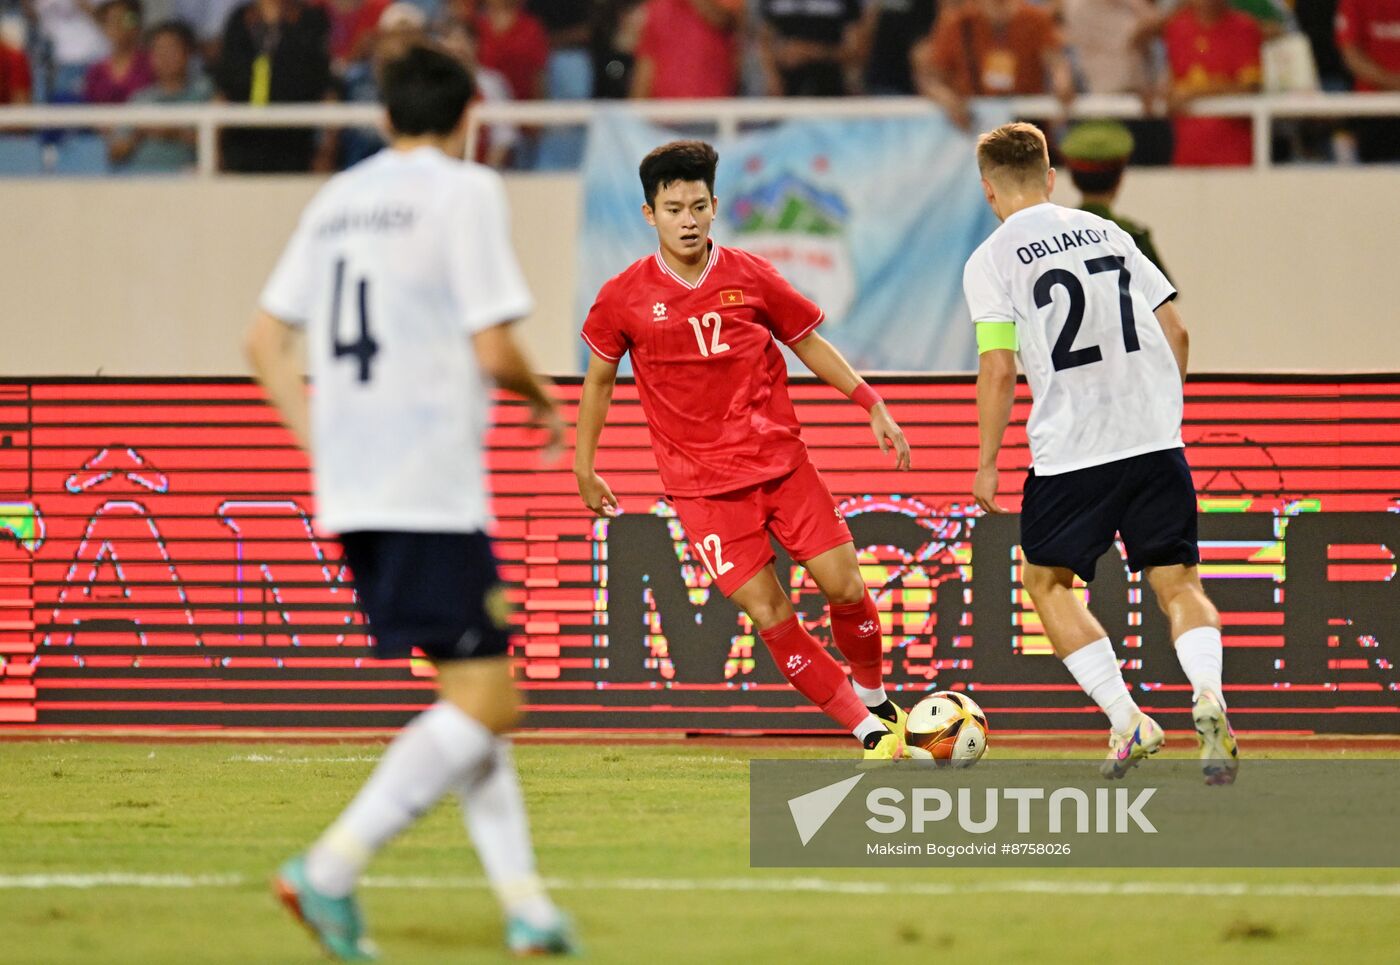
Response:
column 732, row 297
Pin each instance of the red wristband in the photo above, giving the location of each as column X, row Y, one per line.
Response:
column 866, row 397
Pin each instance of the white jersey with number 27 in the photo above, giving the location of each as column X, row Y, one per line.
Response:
column 395, row 264
column 1104, row 383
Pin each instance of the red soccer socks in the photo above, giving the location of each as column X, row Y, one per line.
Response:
column 815, row 673
column 856, row 630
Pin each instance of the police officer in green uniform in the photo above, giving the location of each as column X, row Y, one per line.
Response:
column 1097, row 152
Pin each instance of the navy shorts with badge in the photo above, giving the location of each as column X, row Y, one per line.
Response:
column 1071, row 519
column 439, row 592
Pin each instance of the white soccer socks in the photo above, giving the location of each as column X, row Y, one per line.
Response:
column 428, row 757
column 870, row 696
column 1095, row 668
column 494, row 811
column 1200, row 654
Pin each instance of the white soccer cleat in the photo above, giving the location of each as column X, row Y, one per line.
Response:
column 1220, row 755
column 1126, row 751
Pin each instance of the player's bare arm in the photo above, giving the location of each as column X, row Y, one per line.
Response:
column 592, row 413
column 768, row 57
column 1177, row 336
column 643, row 71
column 500, row 358
column 1057, row 65
column 829, row 365
column 1364, row 68
column 996, row 390
column 1180, row 97
column 273, row 348
column 931, row 82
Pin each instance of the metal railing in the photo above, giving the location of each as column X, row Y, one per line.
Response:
column 727, row 115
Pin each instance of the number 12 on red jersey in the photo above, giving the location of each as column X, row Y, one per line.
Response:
column 704, row 322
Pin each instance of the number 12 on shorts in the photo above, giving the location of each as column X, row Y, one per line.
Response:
column 719, row 567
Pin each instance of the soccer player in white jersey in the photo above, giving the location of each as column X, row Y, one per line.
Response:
column 1104, row 351
column 402, row 277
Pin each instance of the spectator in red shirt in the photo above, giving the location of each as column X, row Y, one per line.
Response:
column 1368, row 33
column 353, row 25
column 495, row 143
column 688, row 48
column 514, row 43
column 1212, row 51
column 16, row 85
column 128, row 68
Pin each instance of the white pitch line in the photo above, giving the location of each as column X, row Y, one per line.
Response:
column 275, row 759
column 117, row 880
column 1221, row 889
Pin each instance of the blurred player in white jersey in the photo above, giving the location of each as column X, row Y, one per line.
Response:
column 1104, row 351
column 402, row 277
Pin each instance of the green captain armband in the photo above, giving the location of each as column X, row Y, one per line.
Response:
column 995, row 335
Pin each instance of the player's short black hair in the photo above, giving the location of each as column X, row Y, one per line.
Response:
column 176, row 28
column 678, row 161
column 1101, row 180
column 425, row 91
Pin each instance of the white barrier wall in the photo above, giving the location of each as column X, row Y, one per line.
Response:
column 1293, row 269
column 152, row 277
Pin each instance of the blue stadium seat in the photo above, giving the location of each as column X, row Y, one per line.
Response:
column 82, row 155
column 20, row 156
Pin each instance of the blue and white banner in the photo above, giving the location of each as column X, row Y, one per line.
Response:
column 872, row 219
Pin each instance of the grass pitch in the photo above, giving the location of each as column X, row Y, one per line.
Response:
column 649, row 846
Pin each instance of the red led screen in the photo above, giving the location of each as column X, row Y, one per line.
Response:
column 158, row 567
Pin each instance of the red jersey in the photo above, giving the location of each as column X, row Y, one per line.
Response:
column 520, row 52
column 14, row 75
column 692, row 57
column 351, row 25
column 711, row 378
column 1373, row 28
column 1198, row 52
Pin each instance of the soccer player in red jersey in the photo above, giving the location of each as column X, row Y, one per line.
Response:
column 701, row 322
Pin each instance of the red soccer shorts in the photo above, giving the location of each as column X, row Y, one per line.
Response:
column 729, row 531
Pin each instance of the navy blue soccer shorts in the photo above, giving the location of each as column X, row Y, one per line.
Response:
column 1070, row 519
column 439, row 592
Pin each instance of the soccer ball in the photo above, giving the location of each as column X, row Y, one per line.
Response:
column 948, row 727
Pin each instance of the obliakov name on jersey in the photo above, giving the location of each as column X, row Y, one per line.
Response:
column 1057, row 244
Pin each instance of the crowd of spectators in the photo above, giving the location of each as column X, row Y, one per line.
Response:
column 1169, row 53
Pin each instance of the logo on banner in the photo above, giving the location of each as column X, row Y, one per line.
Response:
column 801, row 228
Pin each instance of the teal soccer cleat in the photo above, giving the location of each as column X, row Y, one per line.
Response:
column 335, row 922
column 526, row 940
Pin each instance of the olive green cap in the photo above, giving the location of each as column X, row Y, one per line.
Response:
column 1098, row 141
